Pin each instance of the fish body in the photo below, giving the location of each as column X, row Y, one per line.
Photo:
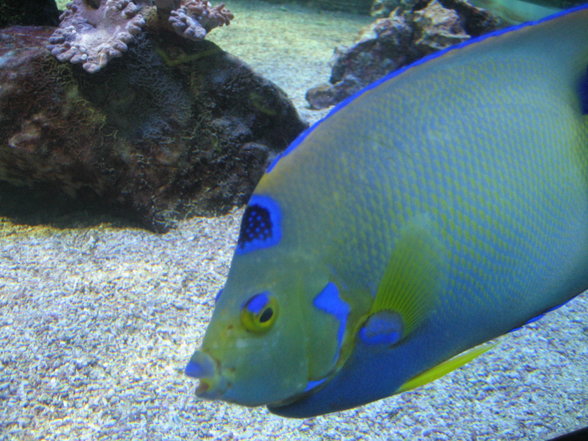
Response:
column 439, row 208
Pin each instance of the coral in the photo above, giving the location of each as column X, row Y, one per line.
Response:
column 414, row 29
column 93, row 32
column 176, row 127
column 195, row 18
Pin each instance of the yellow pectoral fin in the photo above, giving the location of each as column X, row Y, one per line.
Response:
column 414, row 275
column 445, row 367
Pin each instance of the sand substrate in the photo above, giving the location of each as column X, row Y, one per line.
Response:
column 98, row 317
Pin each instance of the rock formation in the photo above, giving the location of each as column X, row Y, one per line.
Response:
column 414, row 29
column 169, row 127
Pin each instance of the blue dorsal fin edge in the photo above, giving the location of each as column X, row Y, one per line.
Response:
column 345, row 102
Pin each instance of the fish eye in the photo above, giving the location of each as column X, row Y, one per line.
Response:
column 259, row 313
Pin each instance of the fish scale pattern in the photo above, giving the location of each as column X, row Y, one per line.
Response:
column 448, row 202
column 493, row 182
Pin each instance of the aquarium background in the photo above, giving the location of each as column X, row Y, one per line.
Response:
column 98, row 317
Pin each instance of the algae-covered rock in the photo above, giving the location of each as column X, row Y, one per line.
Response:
column 414, row 29
column 174, row 127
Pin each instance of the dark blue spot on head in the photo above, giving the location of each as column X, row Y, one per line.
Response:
column 256, row 303
column 261, row 225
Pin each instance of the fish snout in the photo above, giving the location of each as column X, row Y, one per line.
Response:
column 205, row 368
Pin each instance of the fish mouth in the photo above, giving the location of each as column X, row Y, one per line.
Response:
column 212, row 384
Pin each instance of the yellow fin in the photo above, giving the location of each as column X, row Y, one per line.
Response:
column 414, row 276
column 445, row 367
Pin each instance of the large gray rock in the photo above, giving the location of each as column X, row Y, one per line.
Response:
column 414, row 29
column 173, row 127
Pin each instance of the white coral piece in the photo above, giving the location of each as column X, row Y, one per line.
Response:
column 195, row 18
column 92, row 32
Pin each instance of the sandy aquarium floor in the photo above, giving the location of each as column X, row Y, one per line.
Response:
column 98, row 317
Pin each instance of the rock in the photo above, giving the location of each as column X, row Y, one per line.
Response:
column 476, row 21
column 383, row 8
column 413, row 30
column 173, row 128
column 437, row 28
column 28, row 13
column 326, row 95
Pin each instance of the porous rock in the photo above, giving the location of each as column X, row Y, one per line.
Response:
column 175, row 127
column 413, row 30
column 28, row 13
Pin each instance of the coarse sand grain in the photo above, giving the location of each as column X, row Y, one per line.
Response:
column 98, row 317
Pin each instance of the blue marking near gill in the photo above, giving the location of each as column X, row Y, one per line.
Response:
column 313, row 384
column 328, row 300
column 218, row 294
column 256, row 303
column 261, row 226
column 584, row 93
column 400, row 71
column 384, row 327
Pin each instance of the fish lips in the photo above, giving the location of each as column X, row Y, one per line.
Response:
column 213, row 385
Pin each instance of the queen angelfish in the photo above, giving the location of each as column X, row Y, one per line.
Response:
column 440, row 207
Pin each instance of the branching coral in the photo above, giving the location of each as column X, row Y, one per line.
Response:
column 92, row 32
